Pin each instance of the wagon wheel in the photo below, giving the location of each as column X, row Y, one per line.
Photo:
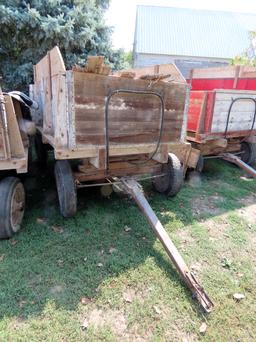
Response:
column 66, row 188
column 200, row 164
column 172, row 180
column 248, row 154
column 12, row 207
column 41, row 150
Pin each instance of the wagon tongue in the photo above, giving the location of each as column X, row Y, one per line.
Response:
column 198, row 291
column 134, row 190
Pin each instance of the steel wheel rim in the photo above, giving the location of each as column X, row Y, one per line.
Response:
column 17, row 207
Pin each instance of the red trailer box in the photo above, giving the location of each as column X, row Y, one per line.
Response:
column 222, row 112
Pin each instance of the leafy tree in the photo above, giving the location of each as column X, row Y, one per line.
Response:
column 249, row 56
column 30, row 28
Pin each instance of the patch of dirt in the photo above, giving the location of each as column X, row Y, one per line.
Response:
column 207, row 206
column 248, row 213
column 177, row 333
column 57, row 289
column 217, row 230
column 112, row 318
column 249, row 200
column 185, row 238
column 251, row 248
column 17, row 324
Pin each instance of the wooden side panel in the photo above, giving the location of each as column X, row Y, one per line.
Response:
column 211, row 84
column 133, row 118
column 59, row 110
column 223, row 83
column 241, row 116
column 46, row 79
column 2, row 149
column 195, row 107
column 4, row 139
column 218, row 72
column 16, row 144
column 247, row 72
column 43, row 91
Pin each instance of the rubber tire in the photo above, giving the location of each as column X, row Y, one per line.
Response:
column 173, row 181
column 41, row 150
column 66, row 188
column 249, row 155
column 200, row 164
column 7, row 187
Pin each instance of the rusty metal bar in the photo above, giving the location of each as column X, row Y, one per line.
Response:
column 132, row 187
column 235, row 160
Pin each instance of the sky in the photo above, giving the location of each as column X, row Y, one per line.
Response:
column 122, row 13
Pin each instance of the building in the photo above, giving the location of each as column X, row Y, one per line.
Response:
column 190, row 38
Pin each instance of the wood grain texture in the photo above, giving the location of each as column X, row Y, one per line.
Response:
column 241, row 115
column 132, row 117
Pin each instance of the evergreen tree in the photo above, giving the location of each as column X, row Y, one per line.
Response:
column 30, row 28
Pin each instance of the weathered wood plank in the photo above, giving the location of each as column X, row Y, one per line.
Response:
column 16, row 144
column 59, row 110
column 241, row 115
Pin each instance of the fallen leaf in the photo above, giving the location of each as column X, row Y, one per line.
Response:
column 203, row 328
column 85, row 300
column 2, row 257
column 238, row 296
column 100, row 264
column 22, row 302
column 41, row 220
column 14, row 242
column 240, row 275
column 85, row 324
column 157, row 310
column 57, row 229
column 127, row 229
column 112, row 250
column 127, row 297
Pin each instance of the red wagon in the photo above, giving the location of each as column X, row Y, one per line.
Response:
column 222, row 112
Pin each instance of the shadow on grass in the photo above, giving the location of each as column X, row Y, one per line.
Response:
column 64, row 260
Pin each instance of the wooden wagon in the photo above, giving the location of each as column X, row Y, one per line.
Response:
column 14, row 144
column 108, row 129
column 126, row 124
column 222, row 112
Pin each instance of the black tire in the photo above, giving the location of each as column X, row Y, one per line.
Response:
column 66, row 188
column 12, row 207
column 200, row 164
column 171, row 183
column 248, row 154
column 41, row 150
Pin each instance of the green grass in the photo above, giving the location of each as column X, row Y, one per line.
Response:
column 45, row 272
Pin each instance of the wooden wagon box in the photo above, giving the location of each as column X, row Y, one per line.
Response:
column 222, row 110
column 106, row 120
column 221, row 114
